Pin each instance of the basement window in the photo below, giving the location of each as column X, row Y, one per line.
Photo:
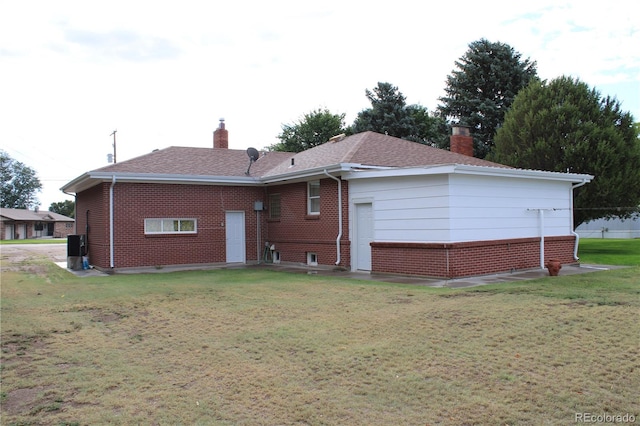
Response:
column 274, row 206
column 170, row 226
column 312, row 259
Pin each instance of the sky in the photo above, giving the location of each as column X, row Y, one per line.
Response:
column 163, row 73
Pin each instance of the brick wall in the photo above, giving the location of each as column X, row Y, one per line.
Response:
column 206, row 204
column 295, row 233
column 63, row 229
column 455, row 260
column 92, row 209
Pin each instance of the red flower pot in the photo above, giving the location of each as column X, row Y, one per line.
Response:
column 554, row 266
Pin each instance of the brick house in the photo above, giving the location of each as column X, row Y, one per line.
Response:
column 366, row 202
column 21, row 224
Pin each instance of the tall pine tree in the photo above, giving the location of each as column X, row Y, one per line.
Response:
column 482, row 88
column 389, row 114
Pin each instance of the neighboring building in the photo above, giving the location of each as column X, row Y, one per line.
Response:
column 21, row 224
column 610, row 228
column 366, row 202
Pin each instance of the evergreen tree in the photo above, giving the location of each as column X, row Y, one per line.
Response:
column 429, row 129
column 389, row 114
column 565, row 126
column 481, row 90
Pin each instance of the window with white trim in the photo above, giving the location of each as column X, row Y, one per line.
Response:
column 313, row 197
column 170, row 226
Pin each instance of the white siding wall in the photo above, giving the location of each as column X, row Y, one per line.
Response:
column 489, row 208
column 457, row 207
column 406, row 208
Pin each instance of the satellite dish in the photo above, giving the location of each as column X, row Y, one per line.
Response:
column 253, row 156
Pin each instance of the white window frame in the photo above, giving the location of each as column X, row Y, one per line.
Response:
column 163, row 220
column 313, row 197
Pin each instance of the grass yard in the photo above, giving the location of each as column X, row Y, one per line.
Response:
column 35, row 241
column 257, row 347
column 610, row 251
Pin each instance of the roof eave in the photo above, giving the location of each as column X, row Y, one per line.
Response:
column 304, row 174
column 522, row 173
column 83, row 181
column 470, row 170
column 91, row 179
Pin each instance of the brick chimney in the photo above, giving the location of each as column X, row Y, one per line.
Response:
column 221, row 136
column 461, row 141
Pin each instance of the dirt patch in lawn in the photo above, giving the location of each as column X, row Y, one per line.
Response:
column 32, row 400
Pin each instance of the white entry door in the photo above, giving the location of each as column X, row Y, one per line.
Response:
column 22, row 232
column 8, row 232
column 235, row 237
column 364, row 235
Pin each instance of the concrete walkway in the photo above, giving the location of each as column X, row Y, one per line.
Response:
column 57, row 253
column 528, row 274
column 366, row 276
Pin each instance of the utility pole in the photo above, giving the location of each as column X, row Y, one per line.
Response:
column 114, row 145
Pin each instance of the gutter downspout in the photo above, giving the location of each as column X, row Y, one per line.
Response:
column 575, row 234
column 339, row 215
column 541, row 212
column 113, row 182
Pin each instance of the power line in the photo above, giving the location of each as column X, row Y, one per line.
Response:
column 607, row 208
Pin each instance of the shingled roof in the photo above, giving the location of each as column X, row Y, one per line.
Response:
column 367, row 149
column 25, row 215
column 375, row 150
column 229, row 166
column 178, row 160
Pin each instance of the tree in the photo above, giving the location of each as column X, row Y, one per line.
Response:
column 565, row 126
column 19, row 184
column 65, row 208
column 429, row 129
column 390, row 114
column 482, row 89
column 315, row 128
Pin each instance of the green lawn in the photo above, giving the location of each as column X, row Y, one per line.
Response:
column 258, row 347
column 610, row 251
column 35, row 241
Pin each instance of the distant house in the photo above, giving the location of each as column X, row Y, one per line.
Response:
column 610, row 228
column 367, row 202
column 20, row 224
